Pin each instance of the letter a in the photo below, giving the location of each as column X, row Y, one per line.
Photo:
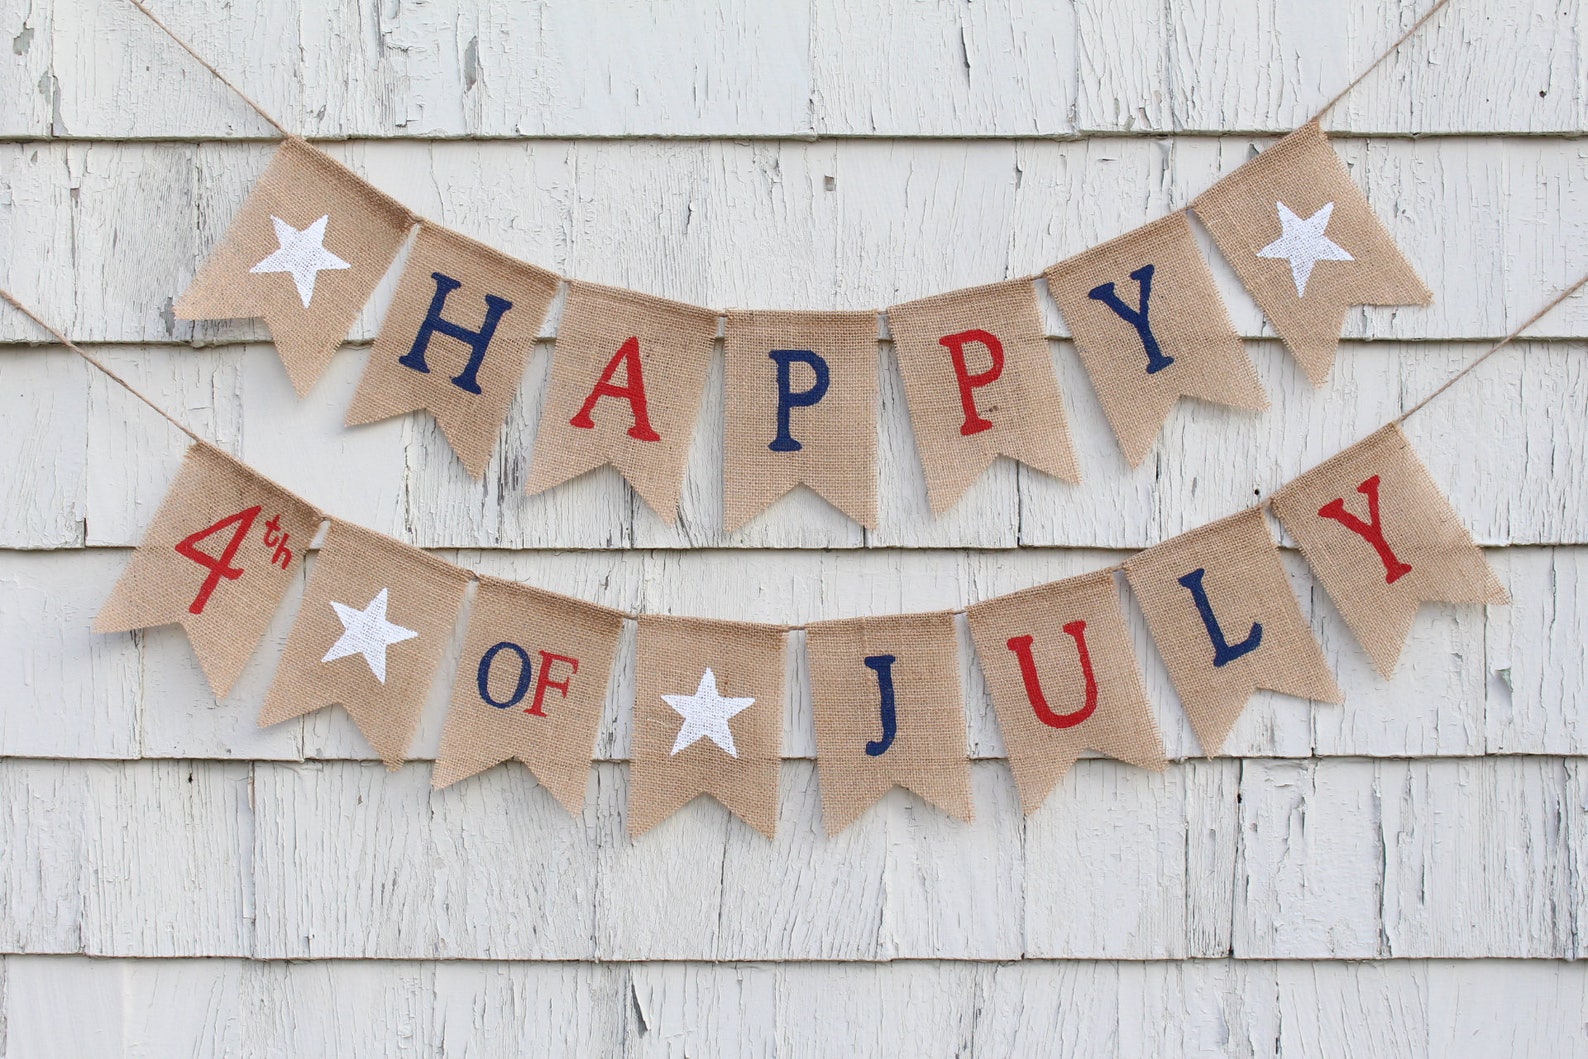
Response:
column 1021, row 646
column 1372, row 532
column 632, row 391
column 1223, row 652
column 1157, row 359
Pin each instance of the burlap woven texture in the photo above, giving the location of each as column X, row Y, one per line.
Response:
column 837, row 435
column 1022, row 404
column 1116, row 720
column 364, row 228
column 423, row 596
column 520, row 638
column 1186, row 318
column 674, row 353
column 1245, row 584
column 1377, row 598
column 747, row 661
column 470, row 420
column 926, row 753
column 1303, row 173
column 161, row 585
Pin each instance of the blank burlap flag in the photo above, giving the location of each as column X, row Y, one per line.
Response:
column 1062, row 674
column 886, row 696
column 1383, row 540
column 978, row 377
column 307, row 249
column 1220, row 608
column 460, row 329
column 375, row 621
column 1293, row 225
column 224, row 546
column 1151, row 328
column 531, row 683
column 708, row 719
column 626, row 379
column 801, row 409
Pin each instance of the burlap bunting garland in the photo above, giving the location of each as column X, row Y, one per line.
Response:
column 1219, row 607
column 1306, row 244
column 1383, row 540
column 222, row 549
column 885, row 692
column 376, row 618
column 1150, row 327
column 626, row 380
column 1062, row 674
column 708, row 719
column 801, row 409
column 531, row 683
column 461, row 328
column 307, row 249
column 979, row 380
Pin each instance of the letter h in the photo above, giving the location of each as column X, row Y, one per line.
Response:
column 477, row 341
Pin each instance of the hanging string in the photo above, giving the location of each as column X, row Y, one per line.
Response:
column 169, row 32
column 1374, row 65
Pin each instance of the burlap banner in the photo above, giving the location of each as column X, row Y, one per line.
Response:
column 460, row 329
column 626, row 380
column 1062, row 674
column 1220, row 608
column 979, row 380
column 222, row 549
column 885, row 692
column 306, row 251
column 531, row 683
column 1306, row 244
column 708, row 719
column 1383, row 540
column 801, row 410
column 376, row 619
column 1150, row 328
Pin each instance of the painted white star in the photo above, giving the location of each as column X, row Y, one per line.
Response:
column 303, row 254
column 1303, row 244
column 367, row 632
column 705, row 715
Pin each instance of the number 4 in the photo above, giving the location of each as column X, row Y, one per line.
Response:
column 218, row 568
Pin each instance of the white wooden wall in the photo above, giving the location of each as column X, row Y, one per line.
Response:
column 1406, row 875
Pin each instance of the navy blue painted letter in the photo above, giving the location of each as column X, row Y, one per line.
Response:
column 476, row 340
column 788, row 399
column 484, row 675
column 882, row 665
column 1223, row 653
column 1157, row 359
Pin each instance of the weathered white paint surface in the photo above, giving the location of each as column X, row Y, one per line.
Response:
column 1403, row 875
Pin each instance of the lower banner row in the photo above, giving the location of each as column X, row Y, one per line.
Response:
column 377, row 617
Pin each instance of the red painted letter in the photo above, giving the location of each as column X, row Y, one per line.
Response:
column 1372, row 532
column 632, row 391
column 221, row 567
column 1021, row 646
column 543, row 680
column 974, row 423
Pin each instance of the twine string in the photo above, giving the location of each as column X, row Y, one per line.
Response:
column 1374, row 65
column 222, row 78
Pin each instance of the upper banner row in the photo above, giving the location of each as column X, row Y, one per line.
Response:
column 313, row 240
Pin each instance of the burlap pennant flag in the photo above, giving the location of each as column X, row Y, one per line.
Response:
column 708, row 719
column 531, row 683
column 1220, row 609
column 1062, row 673
column 375, row 621
column 1383, row 540
column 801, row 409
column 1305, row 242
column 626, row 380
column 460, row 329
column 1150, row 328
column 224, row 546
column 306, row 251
column 979, row 380
column 886, row 696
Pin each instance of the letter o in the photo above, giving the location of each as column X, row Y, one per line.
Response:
column 484, row 675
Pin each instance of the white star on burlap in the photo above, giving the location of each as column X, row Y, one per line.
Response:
column 303, row 254
column 706, row 715
column 1303, row 244
column 367, row 632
